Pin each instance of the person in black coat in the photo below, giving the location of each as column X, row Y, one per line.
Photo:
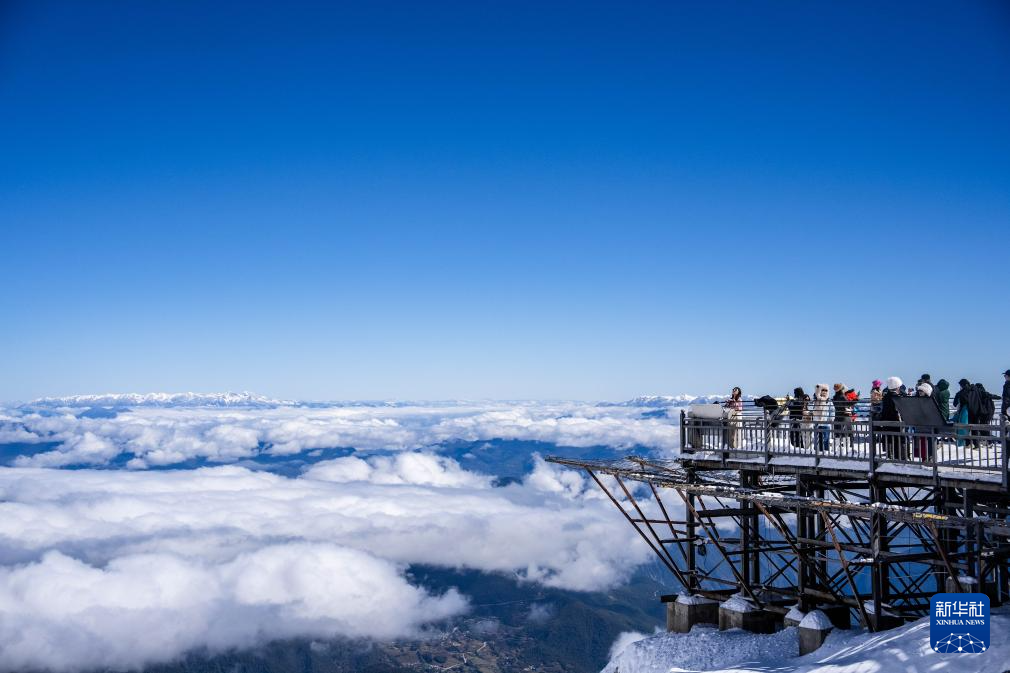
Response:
column 843, row 414
column 796, row 407
column 967, row 399
column 986, row 410
column 841, row 404
column 1006, row 394
column 895, row 442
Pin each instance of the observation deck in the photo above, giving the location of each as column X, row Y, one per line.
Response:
column 928, row 452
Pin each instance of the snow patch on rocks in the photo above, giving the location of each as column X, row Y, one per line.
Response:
column 845, row 651
column 816, row 620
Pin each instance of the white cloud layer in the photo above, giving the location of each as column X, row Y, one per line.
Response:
column 120, row 569
column 167, row 436
column 62, row 614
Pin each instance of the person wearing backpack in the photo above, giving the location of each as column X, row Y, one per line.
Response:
column 987, row 410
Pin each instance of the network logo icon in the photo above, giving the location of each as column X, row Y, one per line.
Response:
column 959, row 623
column 960, row 642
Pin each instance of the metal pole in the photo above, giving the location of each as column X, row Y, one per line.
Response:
column 848, row 576
column 692, row 535
column 714, row 537
column 683, row 431
column 669, row 566
column 1004, row 463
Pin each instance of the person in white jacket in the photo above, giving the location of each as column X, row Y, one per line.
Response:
column 822, row 413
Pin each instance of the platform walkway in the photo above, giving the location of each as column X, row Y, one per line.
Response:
column 955, row 453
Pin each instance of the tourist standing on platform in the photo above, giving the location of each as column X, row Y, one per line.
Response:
column 966, row 401
column 822, row 412
column 1006, row 394
column 942, row 396
column 925, row 378
column 843, row 415
column 852, row 395
column 876, row 396
column 923, row 447
column 986, row 410
column 895, row 442
column 734, row 408
column 797, row 406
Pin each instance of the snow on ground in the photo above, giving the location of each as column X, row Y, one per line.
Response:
column 904, row 650
column 704, row 649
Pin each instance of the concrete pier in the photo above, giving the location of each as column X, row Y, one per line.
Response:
column 740, row 613
column 686, row 611
column 813, row 631
column 793, row 617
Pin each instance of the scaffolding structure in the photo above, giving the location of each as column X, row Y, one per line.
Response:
column 857, row 527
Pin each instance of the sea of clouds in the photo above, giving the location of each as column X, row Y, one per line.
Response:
column 159, row 436
column 121, row 568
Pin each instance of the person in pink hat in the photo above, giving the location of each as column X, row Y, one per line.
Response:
column 876, row 396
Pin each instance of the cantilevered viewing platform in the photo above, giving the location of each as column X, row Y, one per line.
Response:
column 763, row 519
column 930, row 453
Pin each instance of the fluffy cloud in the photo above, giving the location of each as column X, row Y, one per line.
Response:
column 408, row 467
column 62, row 614
column 118, row 569
column 167, row 436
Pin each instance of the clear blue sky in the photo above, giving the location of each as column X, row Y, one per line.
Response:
column 477, row 199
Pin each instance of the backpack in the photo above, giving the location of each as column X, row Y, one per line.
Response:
column 987, row 408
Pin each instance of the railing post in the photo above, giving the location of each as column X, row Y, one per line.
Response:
column 768, row 443
column 768, row 440
column 873, row 447
column 683, row 431
column 934, row 442
column 1003, row 458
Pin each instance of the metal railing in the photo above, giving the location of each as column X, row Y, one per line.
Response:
column 973, row 451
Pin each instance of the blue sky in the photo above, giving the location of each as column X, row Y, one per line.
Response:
column 475, row 199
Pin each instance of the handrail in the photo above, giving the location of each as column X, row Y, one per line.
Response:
column 974, row 447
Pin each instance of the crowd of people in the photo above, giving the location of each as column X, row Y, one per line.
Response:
column 812, row 420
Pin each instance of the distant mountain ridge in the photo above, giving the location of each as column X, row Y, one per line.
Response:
column 249, row 400
column 663, row 401
column 228, row 399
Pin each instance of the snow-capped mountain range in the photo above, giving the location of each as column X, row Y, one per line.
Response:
column 248, row 400
column 663, row 401
column 229, row 399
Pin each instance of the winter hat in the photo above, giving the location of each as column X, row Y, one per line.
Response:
column 925, row 377
column 821, row 388
column 1006, row 373
column 963, row 382
column 942, row 384
column 798, row 392
column 838, row 386
column 877, row 383
column 893, row 383
column 925, row 389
